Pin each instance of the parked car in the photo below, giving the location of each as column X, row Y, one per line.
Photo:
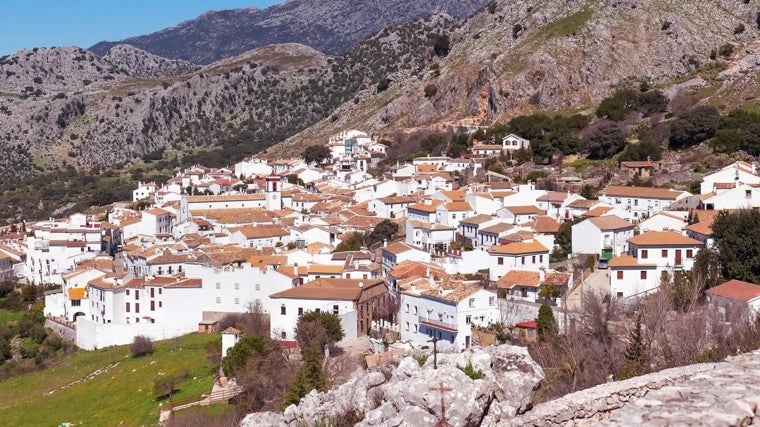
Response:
column 604, row 263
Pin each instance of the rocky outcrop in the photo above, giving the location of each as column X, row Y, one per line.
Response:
column 708, row 394
column 407, row 394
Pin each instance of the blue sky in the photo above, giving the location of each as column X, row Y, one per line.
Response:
column 46, row 23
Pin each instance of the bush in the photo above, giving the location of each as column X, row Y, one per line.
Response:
column 141, row 346
column 430, row 90
column 471, row 372
column 726, row 50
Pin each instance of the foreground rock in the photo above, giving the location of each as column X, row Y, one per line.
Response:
column 404, row 393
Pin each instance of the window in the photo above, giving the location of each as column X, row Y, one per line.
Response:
column 218, row 300
column 237, row 286
column 472, row 302
column 415, row 309
column 533, row 260
column 407, row 308
column 127, row 292
column 523, row 260
column 664, row 253
column 300, row 311
column 643, row 275
column 152, row 292
column 258, row 286
column 218, row 285
column 283, row 335
column 689, row 253
column 160, row 304
column 541, row 259
column 152, row 305
column 335, row 309
column 237, row 300
column 283, row 310
column 407, row 326
column 76, row 303
column 128, row 307
column 137, row 294
column 501, row 260
column 468, row 319
column 137, row 307
column 620, row 275
column 160, row 291
column 644, row 254
column 491, row 300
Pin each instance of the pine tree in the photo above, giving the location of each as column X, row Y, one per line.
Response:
column 310, row 376
column 546, row 326
column 636, row 351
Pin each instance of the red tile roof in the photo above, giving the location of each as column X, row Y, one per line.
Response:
column 737, row 290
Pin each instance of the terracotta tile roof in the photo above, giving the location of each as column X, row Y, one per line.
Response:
column 610, row 222
column 398, row 200
column 546, row 224
column 553, row 196
column 157, row 212
column 261, row 231
column 324, row 269
column 476, row 220
column 362, row 222
column 331, row 289
column 429, row 225
column 642, row 164
column 234, row 215
column 408, row 269
column 598, row 211
column 702, row 227
column 455, row 195
column 641, row 192
column 226, row 198
column 530, row 324
column 497, row 228
column 583, row 204
column 525, row 210
column 663, row 238
column 458, row 206
column 262, row 261
column 425, row 208
column 528, row 247
column 627, row 261
column 456, row 295
column 502, row 193
column 397, row 248
column 519, row 278
column 737, row 290
column 426, row 168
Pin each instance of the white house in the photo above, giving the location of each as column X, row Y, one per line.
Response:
column 391, row 207
column 664, row 221
column 632, row 277
column 429, row 236
column 260, row 236
column 730, row 176
column 741, row 196
column 143, row 191
column 530, row 254
column 397, row 252
column 446, row 314
column 452, row 212
column 513, row 142
column 526, row 284
column 641, row 202
column 606, row 236
column 353, row 300
column 736, row 297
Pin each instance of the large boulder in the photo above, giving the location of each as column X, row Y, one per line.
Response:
column 407, row 391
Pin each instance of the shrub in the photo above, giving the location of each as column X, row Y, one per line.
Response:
column 430, row 90
column 726, row 50
column 141, row 346
column 471, row 372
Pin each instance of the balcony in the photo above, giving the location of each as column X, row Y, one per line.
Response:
column 437, row 324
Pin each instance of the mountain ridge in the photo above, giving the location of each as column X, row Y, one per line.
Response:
column 330, row 26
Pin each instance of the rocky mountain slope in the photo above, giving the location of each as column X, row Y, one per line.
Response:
column 520, row 56
column 330, row 26
column 69, row 105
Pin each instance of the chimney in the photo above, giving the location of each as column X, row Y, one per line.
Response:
column 295, row 269
column 385, row 243
column 541, row 274
column 427, row 272
column 361, row 284
column 356, row 264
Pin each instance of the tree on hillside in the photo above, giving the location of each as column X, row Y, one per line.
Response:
column 604, row 140
column 636, row 351
column 238, row 355
column 694, row 127
column 737, row 240
column 385, row 230
column 315, row 154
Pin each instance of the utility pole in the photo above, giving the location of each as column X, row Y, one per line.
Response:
column 435, row 351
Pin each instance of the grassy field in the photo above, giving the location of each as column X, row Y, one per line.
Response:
column 106, row 387
column 9, row 316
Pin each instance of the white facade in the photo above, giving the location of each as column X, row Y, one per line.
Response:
column 423, row 316
column 605, row 236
